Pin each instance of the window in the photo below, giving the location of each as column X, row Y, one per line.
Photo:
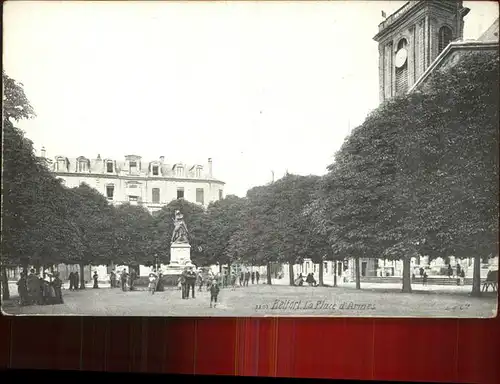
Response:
column 82, row 166
column 155, row 170
column 133, row 198
column 200, row 195
column 180, row 193
column 156, row 195
column 110, row 190
column 61, row 165
column 133, row 167
column 180, row 171
column 109, row 167
column 445, row 38
column 325, row 266
column 220, row 194
column 198, row 171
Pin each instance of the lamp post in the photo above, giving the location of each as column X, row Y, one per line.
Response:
column 156, row 262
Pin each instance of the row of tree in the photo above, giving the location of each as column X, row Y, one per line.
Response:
column 418, row 177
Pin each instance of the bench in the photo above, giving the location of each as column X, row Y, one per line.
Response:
column 491, row 280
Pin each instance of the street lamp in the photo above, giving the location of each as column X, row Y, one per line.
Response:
column 156, row 262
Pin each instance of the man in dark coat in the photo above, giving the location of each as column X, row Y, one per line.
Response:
column 71, row 279
column 77, row 280
column 34, row 288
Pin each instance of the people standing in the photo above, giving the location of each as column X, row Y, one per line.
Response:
column 96, row 280
column 123, row 280
column 133, row 278
column 71, row 279
column 199, row 281
column 34, row 288
column 253, row 277
column 191, row 282
column 57, row 284
column 112, row 279
column 159, row 283
column 183, row 281
column 77, row 280
column 152, row 283
column 22, row 289
column 242, row 278
column 214, row 293
column 247, row 278
column 257, row 277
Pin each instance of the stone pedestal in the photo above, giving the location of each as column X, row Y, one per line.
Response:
column 180, row 257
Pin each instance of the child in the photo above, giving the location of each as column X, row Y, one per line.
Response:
column 214, row 292
column 152, row 283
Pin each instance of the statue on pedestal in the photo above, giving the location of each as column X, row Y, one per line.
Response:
column 180, row 234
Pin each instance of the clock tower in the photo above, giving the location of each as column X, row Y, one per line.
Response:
column 410, row 40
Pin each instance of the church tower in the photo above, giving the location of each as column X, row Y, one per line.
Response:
column 410, row 40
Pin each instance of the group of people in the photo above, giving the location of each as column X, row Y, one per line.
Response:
column 36, row 290
column 125, row 280
column 299, row 281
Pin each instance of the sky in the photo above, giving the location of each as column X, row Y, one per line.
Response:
column 259, row 87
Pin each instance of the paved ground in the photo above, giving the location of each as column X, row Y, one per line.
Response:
column 381, row 300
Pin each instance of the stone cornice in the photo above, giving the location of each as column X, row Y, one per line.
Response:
column 136, row 178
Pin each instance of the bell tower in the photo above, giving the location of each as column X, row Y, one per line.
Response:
column 411, row 38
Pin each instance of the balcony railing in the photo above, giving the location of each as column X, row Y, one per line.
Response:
column 396, row 15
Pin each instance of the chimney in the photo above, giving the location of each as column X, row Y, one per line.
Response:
column 43, row 152
column 162, row 158
column 98, row 156
column 210, row 167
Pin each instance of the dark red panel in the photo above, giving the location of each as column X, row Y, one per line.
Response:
column 416, row 349
column 5, row 329
column 247, row 339
column 66, row 355
column 216, row 346
column 32, row 339
column 478, row 351
column 267, row 346
column 93, row 344
column 179, row 342
column 153, row 345
column 285, row 345
column 118, row 356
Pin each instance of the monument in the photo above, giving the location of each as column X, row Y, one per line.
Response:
column 180, row 250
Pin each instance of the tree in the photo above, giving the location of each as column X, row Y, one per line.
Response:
column 223, row 218
column 194, row 216
column 421, row 173
column 92, row 221
column 133, row 234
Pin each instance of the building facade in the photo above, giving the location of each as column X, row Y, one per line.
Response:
column 151, row 183
column 411, row 39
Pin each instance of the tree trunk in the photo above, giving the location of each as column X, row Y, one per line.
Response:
column 334, row 273
column 290, row 274
column 476, row 277
column 269, row 271
column 357, row 269
column 82, row 276
column 5, row 284
column 407, row 274
column 320, row 272
column 220, row 268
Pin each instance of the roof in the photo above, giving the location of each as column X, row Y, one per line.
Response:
column 446, row 54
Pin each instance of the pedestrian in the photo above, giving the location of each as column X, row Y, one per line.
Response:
column 199, row 281
column 242, row 278
column 57, row 285
column 112, row 279
column 424, row 279
column 96, row 280
column 76, row 282
column 462, row 277
column 214, row 292
column 159, row 283
column 191, row 281
column 183, row 281
column 71, row 279
column 34, row 288
column 123, row 280
column 253, row 277
column 22, row 289
column 133, row 278
column 247, row 278
column 257, row 277
column 152, row 283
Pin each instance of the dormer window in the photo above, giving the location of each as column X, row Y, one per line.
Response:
column 133, row 167
column 179, row 170
column 198, row 171
column 83, row 165
column 61, row 164
column 109, row 167
column 156, row 170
